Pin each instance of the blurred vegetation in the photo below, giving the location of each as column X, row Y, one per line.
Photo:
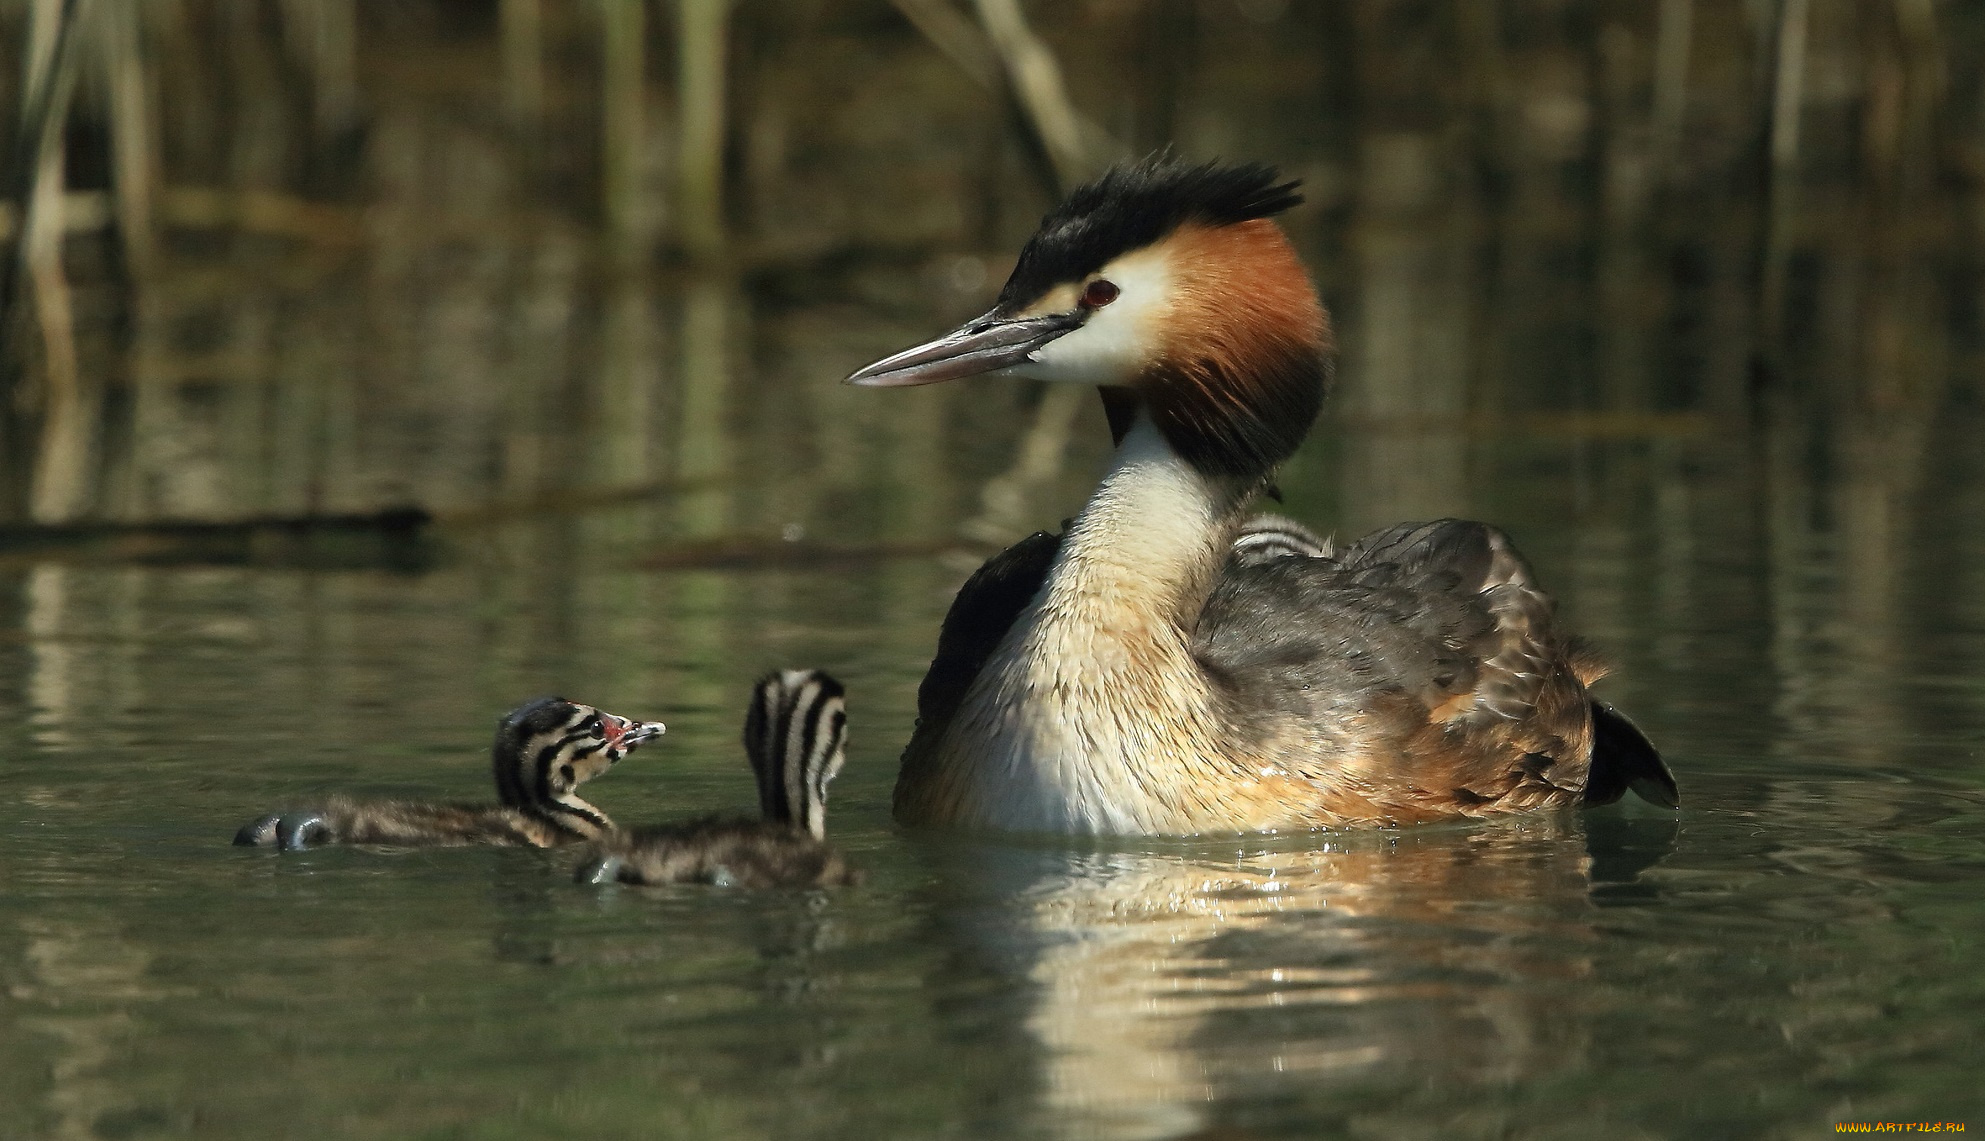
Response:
column 284, row 258
column 1686, row 293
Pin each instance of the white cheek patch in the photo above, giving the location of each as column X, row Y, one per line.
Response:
column 1119, row 339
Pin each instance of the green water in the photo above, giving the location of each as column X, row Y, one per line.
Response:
column 650, row 489
column 1801, row 945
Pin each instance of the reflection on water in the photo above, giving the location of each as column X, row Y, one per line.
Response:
column 1550, row 319
column 354, row 292
column 1406, row 366
column 1158, row 975
column 1797, row 948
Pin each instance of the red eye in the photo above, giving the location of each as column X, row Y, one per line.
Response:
column 1099, row 294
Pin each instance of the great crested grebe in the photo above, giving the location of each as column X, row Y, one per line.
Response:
column 1166, row 666
column 795, row 735
column 544, row 750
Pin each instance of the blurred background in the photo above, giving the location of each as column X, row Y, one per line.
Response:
column 368, row 366
column 280, row 260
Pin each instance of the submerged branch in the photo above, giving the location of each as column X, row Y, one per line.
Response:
column 395, row 537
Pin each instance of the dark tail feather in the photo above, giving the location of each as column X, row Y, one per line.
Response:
column 1623, row 758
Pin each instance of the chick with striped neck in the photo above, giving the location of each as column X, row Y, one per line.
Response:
column 795, row 735
column 544, row 750
column 1168, row 667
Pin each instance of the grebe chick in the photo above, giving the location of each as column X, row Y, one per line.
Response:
column 1266, row 537
column 1168, row 667
column 544, row 750
column 795, row 734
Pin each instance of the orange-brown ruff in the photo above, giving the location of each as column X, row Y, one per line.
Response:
column 1160, row 668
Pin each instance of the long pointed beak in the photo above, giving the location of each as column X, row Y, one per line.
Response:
column 985, row 344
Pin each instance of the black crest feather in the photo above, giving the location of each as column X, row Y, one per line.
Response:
column 534, row 716
column 1133, row 205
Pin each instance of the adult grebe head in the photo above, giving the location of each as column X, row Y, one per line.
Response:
column 1169, row 286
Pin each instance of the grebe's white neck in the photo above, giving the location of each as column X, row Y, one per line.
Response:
column 1149, row 540
column 1092, row 716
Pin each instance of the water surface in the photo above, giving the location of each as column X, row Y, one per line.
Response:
column 649, row 489
column 1801, row 944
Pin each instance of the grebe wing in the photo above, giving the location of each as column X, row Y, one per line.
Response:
column 1463, row 586
column 1430, row 641
column 1434, row 641
column 1521, row 659
column 979, row 617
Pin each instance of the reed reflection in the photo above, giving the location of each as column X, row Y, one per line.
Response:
column 703, row 438
column 1431, row 953
column 82, row 987
column 1406, row 369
